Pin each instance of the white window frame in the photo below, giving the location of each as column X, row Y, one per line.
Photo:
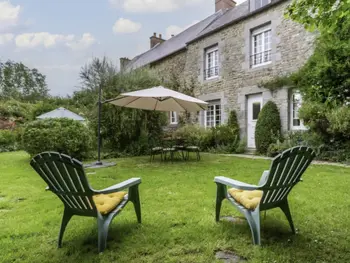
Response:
column 292, row 111
column 265, row 47
column 215, row 103
column 261, row 3
column 214, row 63
column 174, row 117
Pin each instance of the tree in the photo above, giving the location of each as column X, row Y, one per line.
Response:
column 323, row 15
column 124, row 130
column 21, row 83
column 325, row 78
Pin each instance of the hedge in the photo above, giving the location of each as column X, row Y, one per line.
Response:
column 59, row 135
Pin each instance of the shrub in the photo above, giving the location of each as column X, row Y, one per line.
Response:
column 59, row 135
column 339, row 121
column 242, row 145
column 291, row 139
column 195, row 135
column 19, row 111
column 8, row 141
column 226, row 137
column 233, row 121
column 268, row 127
column 314, row 116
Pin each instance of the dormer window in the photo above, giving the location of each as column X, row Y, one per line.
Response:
column 261, row 3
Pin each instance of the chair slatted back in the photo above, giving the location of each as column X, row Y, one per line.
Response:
column 65, row 177
column 285, row 172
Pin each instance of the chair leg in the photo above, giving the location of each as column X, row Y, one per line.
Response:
column 285, row 208
column 103, row 225
column 65, row 219
column 220, row 196
column 134, row 197
column 253, row 219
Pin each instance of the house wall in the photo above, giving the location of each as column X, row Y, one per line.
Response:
column 171, row 66
column 291, row 47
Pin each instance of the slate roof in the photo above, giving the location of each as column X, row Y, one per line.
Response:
column 61, row 113
column 203, row 28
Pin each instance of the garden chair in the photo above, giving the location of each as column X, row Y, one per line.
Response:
column 66, row 178
column 271, row 192
column 155, row 151
column 192, row 149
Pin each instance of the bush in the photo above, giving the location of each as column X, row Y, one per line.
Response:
column 59, row 135
column 19, row 111
column 226, row 137
column 233, row 121
column 314, row 116
column 268, row 127
column 195, row 135
column 291, row 139
column 8, row 141
column 339, row 122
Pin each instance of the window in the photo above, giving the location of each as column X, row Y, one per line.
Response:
column 295, row 104
column 261, row 46
column 256, row 110
column 261, row 3
column 213, row 114
column 173, row 117
column 211, row 63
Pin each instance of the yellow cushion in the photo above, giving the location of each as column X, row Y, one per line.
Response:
column 106, row 203
column 249, row 199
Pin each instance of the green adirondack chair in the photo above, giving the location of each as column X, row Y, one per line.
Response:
column 66, row 178
column 271, row 192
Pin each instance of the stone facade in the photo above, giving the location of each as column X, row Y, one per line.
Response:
column 291, row 47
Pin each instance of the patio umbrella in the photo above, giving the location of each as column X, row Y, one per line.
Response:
column 159, row 99
column 61, row 113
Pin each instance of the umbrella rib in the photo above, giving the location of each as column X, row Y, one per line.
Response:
column 179, row 104
column 155, row 106
column 126, row 105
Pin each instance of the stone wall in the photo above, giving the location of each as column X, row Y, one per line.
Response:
column 291, row 47
column 171, row 66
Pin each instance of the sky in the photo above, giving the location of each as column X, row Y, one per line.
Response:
column 58, row 37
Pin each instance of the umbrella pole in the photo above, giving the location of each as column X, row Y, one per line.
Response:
column 99, row 164
column 99, row 126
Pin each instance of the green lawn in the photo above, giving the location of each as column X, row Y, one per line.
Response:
column 178, row 203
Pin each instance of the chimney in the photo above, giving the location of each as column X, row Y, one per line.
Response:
column 154, row 40
column 224, row 4
column 124, row 63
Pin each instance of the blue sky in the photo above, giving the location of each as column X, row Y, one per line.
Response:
column 60, row 36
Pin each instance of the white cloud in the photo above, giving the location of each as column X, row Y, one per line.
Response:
column 5, row 38
column 123, row 25
column 174, row 30
column 9, row 15
column 84, row 42
column 48, row 40
column 139, row 6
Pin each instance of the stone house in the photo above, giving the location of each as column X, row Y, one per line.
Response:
column 228, row 54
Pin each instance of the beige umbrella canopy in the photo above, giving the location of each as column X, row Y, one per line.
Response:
column 159, row 99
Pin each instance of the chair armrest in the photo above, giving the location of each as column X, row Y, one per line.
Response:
column 234, row 183
column 123, row 185
column 263, row 178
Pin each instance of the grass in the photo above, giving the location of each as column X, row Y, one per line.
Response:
column 178, row 202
